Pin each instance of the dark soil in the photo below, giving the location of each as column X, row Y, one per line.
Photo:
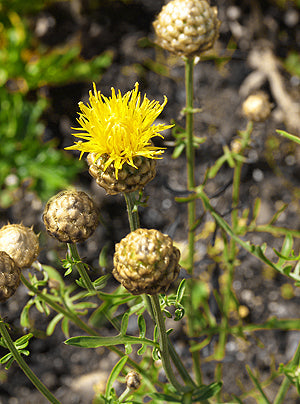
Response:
column 70, row 373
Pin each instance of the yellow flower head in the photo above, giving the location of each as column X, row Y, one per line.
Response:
column 119, row 127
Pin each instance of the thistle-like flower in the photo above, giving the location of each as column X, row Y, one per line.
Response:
column 187, row 27
column 257, row 107
column 20, row 243
column 10, row 275
column 146, row 261
column 117, row 130
column 70, row 216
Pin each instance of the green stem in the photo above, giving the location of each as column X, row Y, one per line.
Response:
column 86, row 279
column 66, row 313
column 133, row 215
column 286, row 382
column 190, row 158
column 220, row 352
column 80, row 268
column 163, row 343
column 82, row 325
column 190, row 161
column 23, row 365
column 230, row 251
column 173, row 354
column 126, row 393
column 134, row 224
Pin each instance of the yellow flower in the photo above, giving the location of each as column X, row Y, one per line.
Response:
column 119, row 127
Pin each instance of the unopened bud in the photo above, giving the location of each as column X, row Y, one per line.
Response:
column 146, row 261
column 20, row 243
column 257, row 107
column 187, row 27
column 70, row 216
column 10, row 275
column 133, row 380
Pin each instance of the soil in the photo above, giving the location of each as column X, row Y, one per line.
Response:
column 271, row 174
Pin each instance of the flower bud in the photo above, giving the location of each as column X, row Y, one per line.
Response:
column 10, row 275
column 129, row 178
column 133, row 380
column 257, row 107
column 70, row 216
column 20, row 243
column 145, row 261
column 187, row 27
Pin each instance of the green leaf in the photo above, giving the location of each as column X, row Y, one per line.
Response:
column 180, row 291
column 5, row 358
column 124, row 324
column 128, row 349
column 216, row 167
column 142, row 326
column 24, row 318
column 114, row 375
column 165, row 397
column 103, row 260
column 205, row 392
column 96, row 342
column 278, row 213
column 53, row 274
column 65, row 327
column 258, row 386
column 178, row 150
column 101, row 282
column 237, row 399
column 53, row 323
column 22, row 342
column 289, row 136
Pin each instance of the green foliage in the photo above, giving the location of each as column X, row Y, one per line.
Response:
column 20, row 344
column 292, row 63
column 26, row 65
column 35, row 66
column 23, row 154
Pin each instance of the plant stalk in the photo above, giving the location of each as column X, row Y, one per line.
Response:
column 80, row 268
column 280, row 397
column 190, row 161
column 163, row 343
column 190, row 158
column 133, row 215
column 173, row 354
column 81, row 325
column 23, row 365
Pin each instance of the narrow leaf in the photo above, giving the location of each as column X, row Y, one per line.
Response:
column 257, row 385
column 165, row 397
column 180, row 291
column 53, row 323
column 289, row 136
column 65, row 327
column 96, row 342
column 53, row 274
column 128, row 349
column 114, row 374
column 142, row 326
column 124, row 324
column 205, row 392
